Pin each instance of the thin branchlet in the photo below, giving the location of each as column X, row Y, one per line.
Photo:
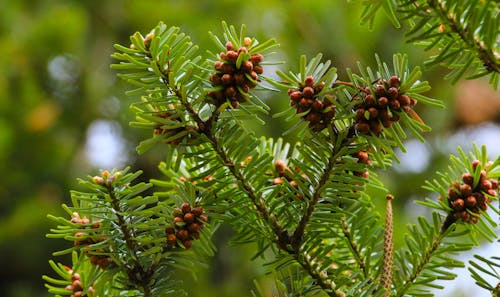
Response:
column 145, row 274
column 486, row 55
column 429, row 251
column 346, row 230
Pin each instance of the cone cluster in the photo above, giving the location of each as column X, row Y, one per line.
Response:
column 76, row 286
column 237, row 72
column 186, row 225
column 315, row 109
column 381, row 107
column 465, row 198
column 89, row 235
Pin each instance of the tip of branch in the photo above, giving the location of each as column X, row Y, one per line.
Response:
column 389, row 197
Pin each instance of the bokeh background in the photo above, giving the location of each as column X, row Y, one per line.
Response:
column 64, row 114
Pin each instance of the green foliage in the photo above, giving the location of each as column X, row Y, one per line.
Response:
column 305, row 207
column 464, row 33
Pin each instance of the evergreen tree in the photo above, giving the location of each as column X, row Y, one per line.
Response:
column 304, row 206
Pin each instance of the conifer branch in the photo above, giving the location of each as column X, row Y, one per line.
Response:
column 346, row 230
column 322, row 280
column 206, row 128
column 298, row 234
column 144, row 274
column 487, row 55
column 427, row 255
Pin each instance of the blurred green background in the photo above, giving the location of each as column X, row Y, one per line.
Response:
column 64, row 114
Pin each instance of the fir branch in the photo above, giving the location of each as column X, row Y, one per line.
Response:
column 356, row 252
column 325, row 283
column 298, row 234
column 145, row 274
column 487, row 55
column 427, row 255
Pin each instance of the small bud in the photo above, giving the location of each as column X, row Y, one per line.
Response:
column 458, row 204
column 394, row 82
column 171, row 239
column 247, row 66
column 189, row 218
column 309, row 81
column 185, row 207
column 183, row 234
column 468, row 179
column 229, row 46
column 308, row 92
column 197, row 211
column 465, row 190
column 277, row 181
column 194, row 227
column 187, row 244
column 470, row 202
column 475, row 163
column 98, row 180
column 296, row 96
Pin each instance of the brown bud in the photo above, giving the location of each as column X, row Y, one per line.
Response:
column 280, row 166
column 376, row 127
column 373, row 112
column 475, row 163
column 308, row 92
column 309, row 81
column 169, row 230
column 247, row 66
column 178, row 221
column 296, row 96
column 380, row 91
column 470, row 202
column 227, row 79
column 77, row 285
column 394, row 82
column 404, row 100
column 313, row 117
column 182, row 234
column 229, row 46
column 494, row 183
column 317, row 105
column 458, row 204
column 468, row 178
column 187, row 243
column 258, row 69
column 294, row 184
column 218, row 65
column 383, row 101
column 465, row 190
column 392, row 92
column 256, row 58
column 185, row 207
column 189, row 218
column 360, row 114
column 197, row 211
column 204, row 218
column 394, row 104
column 277, row 181
column 230, row 92
column 231, row 56
column 362, row 127
column 485, row 185
column 171, row 239
column 194, row 227
column 369, row 100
